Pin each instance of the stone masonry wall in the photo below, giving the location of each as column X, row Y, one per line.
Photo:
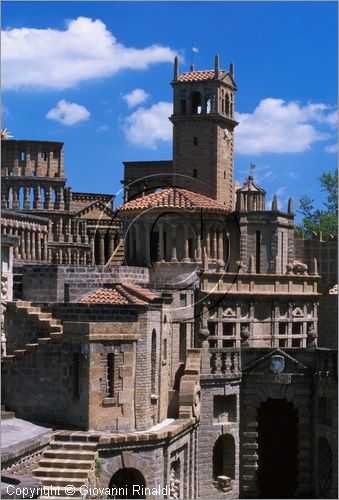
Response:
column 52, row 283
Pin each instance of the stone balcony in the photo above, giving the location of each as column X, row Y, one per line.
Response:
column 259, row 284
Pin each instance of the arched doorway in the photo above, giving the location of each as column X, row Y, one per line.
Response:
column 277, row 450
column 324, row 468
column 127, row 483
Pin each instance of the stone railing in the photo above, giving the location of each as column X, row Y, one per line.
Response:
column 259, row 284
column 221, row 362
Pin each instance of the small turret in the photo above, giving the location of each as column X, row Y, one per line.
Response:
column 232, row 70
column 216, row 66
column 274, row 206
column 176, row 68
column 192, row 67
column 290, row 206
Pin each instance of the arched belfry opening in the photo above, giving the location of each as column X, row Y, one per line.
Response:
column 277, row 450
column 127, row 483
column 196, row 103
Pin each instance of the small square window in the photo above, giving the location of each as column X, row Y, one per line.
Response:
column 295, row 343
column 195, row 141
column 297, row 328
column 195, row 173
column 283, row 328
column 183, row 300
column 228, row 329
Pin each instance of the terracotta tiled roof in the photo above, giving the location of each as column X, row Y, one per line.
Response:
column 197, row 76
column 173, row 198
column 120, row 295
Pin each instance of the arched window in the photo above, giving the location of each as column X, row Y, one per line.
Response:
column 224, row 457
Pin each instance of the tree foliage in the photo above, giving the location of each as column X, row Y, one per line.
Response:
column 324, row 220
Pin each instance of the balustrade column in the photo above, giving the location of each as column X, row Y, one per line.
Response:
column 33, row 248
column 48, row 202
column 44, row 246
column 61, row 198
column 16, row 201
column 101, row 248
column 161, row 242
column 37, row 197
column 186, row 246
column 27, row 200
column 174, row 243
column 4, row 197
column 208, row 243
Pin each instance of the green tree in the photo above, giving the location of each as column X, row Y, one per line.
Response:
column 323, row 220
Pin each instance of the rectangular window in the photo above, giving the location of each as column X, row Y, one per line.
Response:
column 257, row 246
column 228, row 329
column 283, row 328
column 110, row 375
column 225, row 409
column 295, row 343
column 76, row 375
column 297, row 328
column 195, row 141
column 227, row 343
column 23, row 156
column 282, row 343
column 183, row 300
column 195, row 173
column 212, row 327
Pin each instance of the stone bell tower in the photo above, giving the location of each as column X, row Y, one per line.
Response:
column 203, row 129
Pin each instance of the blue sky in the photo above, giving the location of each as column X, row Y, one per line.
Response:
column 96, row 75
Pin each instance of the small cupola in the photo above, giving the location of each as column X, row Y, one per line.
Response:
column 250, row 197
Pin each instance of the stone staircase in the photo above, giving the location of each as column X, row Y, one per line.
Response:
column 49, row 326
column 69, row 461
column 118, row 256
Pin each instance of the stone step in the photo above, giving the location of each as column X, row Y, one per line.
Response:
column 56, row 335
column 31, row 347
column 59, row 481
column 23, row 303
column 77, row 436
column 7, row 414
column 62, row 473
column 70, row 454
column 55, row 328
column 43, row 340
column 8, row 359
column 60, row 463
column 19, row 353
column 73, row 445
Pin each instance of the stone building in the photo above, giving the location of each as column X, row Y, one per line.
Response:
column 189, row 356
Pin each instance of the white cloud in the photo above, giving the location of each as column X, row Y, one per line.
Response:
column 102, row 128
column 68, row 113
column 277, row 126
column 332, row 149
column 53, row 59
column 137, row 96
column 145, row 127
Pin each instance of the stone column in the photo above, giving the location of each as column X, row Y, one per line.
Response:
column 101, row 248
column 197, row 246
column 161, row 242
column 186, row 246
column 174, row 242
column 16, row 201
column 44, row 247
column 4, row 197
column 147, row 243
column 22, row 243
column 33, row 236
column 28, row 244
column 221, row 261
column 61, row 198
column 27, row 201
column 16, row 248
column 214, row 244
column 37, row 197
column 137, row 241
column 110, row 243
column 91, row 235
column 38, row 244
column 57, row 198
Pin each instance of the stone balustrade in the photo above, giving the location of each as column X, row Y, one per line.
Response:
column 221, row 362
column 259, row 284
